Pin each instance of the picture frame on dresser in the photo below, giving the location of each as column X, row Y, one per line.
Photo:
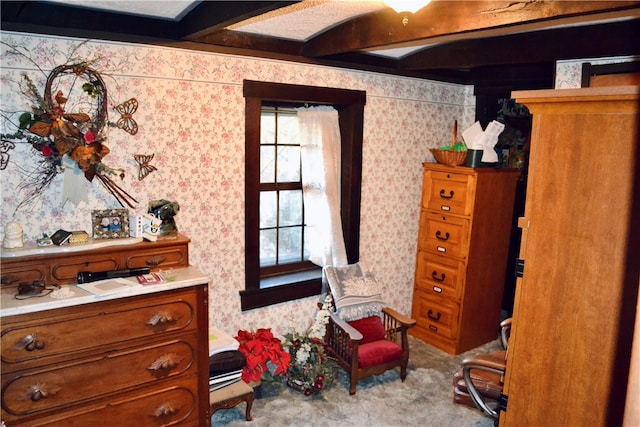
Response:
column 110, row 224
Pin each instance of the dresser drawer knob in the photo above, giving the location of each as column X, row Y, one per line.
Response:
column 38, row 391
column 165, row 362
column 434, row 276
column 440, row 237
column 444, row 196
column 161, row 318
column 155, row 261
column 30, row 343
column 432, row 317
column 165, row 410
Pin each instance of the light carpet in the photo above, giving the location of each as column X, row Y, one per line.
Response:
column 425, row 398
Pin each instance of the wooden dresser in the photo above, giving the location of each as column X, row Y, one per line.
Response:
column 137, row 357
column 576, row 304
column 463, row 240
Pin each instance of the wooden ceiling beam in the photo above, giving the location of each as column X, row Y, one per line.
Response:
column 457, row 18
column 239, row 40
column 613, row 39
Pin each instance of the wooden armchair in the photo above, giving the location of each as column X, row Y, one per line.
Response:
column 479, row 381
column 369, row 345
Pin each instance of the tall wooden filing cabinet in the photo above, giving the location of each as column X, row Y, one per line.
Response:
column 463, row 240
column 575, row 306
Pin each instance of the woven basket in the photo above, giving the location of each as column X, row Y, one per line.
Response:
column 449, row 157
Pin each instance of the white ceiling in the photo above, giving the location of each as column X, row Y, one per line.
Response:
column 167, row 9
column 299, row 22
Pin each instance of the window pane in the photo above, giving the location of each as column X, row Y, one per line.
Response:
column 287, row 128
column 290, row 208
column 267, row 163
column 289, row 242
column 288, row 164
column 306, row 254
column 268, row 209
column 267, row 247
column 267, row 128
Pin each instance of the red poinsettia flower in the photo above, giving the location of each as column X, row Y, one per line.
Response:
column 260, row 348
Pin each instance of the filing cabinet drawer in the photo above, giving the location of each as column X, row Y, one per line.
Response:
column 448, row 192
column 444, row 234
column 436, row 314
column 439, row 275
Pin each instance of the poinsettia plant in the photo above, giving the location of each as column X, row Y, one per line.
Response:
column 264, row 353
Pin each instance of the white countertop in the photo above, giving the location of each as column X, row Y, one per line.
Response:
column 30, row 248
column 184, row 277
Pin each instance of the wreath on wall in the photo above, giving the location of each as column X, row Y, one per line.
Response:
column 69, row 133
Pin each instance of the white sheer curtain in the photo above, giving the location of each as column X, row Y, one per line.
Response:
column 320, row 154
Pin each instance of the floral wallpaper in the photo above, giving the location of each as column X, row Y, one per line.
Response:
column 191, row 115
column 569, row 73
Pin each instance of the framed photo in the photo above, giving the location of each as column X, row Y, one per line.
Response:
column 110, row 223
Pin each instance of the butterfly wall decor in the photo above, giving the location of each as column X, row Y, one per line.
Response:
column 5, row 146
column 126, row 121
column 144, row 168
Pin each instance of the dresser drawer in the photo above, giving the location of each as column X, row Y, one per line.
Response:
column 436, row 314
column 66, row 271
column 175, row 405
column 444, row 234
column 87, row 328
column 169, row 257
column 439, row 275
column 14, row 274
column 448, row 192
column 59, row 387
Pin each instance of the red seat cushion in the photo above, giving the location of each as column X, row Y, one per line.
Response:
column 378, row 352
column 371, row 329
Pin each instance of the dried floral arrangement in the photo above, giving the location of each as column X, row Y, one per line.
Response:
column 65, row 133
column 311, row 370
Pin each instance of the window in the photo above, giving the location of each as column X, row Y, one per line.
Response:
column 282, row 241
column 275, row 266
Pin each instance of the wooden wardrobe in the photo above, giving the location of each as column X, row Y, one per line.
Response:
column 575, row 306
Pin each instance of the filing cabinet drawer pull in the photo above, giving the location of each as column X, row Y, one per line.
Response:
column 432, row 317
column 164, row 410
column 165, row 362
column 434, row 276
column 444, row 196
column 30, row 343
column 155, row 261
column 439, row 235
column 161, row 318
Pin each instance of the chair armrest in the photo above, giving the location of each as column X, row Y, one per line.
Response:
column 486, row 361
column 353, row 333
column 505, row 332
column 483, row 362
column 402, row 319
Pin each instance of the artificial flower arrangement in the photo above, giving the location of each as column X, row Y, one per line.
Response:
column 310, row 370
column 265, row 355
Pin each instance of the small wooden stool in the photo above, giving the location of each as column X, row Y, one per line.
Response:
column 228, row 397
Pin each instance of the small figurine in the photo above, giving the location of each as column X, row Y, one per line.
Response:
column 165, row 211
column 12, row 235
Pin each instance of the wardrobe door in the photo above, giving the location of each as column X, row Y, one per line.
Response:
column 569, row 349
